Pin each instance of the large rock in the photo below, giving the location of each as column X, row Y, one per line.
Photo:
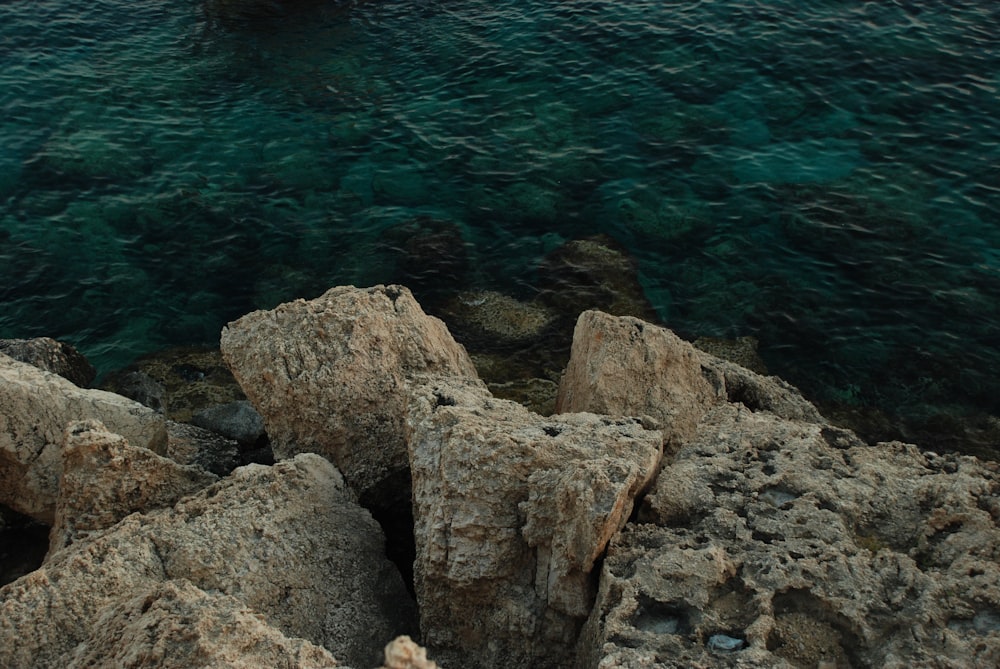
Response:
column 35, row 408
column 52, row 356
column 104, row 479
column 512, row 510
column 781, row 543
column 333, row 376
column 176, row 625
column 289, row 542
column 192, row 445
column 622, row 366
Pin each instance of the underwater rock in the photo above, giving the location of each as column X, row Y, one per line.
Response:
column 52, row 356
column 741, row 350
column 288, row 542
column 511, row 513
column 35, row 408
column 496, row 320
column 432, row 259
column 104, row 479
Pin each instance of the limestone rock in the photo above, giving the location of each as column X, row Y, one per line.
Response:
column 511, row 512
column 403, row 653
column 192, row 445
column 781, row 543
column 52, row 356
column 104, row 479
column 175, row 625
column 35, row 408
column 288, row 541
column 332, row 376
column 622, row 366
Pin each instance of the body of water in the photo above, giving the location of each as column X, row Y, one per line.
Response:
column 824, row 176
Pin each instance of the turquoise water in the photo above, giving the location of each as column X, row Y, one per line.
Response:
column 822, row 175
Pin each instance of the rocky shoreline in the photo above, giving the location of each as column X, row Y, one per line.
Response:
column 676, row 510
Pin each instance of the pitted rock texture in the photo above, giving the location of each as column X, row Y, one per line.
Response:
column 333, row 376
column 176, row 625
column 781, row 543
column 192, row 445
column 104, row 479
column 622, row 366
column 512, row 510
column 35, row 408
column 289, row 542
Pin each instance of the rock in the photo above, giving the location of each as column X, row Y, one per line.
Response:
column 626, row 367
column 333, row 376
column 622, row 366
column 403, row 653
column 512, row 510
column 52, row 356
column 192, row 445
column 104, row 479
column 289, row 542
column 741, row 350
column 234, row 420
column 497, row 321
column 35, row 408
column 175, row 625
column 787, row 543
column 144, row 389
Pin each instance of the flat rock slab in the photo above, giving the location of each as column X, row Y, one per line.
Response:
column 512, row 510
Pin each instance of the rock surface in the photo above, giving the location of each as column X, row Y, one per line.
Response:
column 191, row 445
column 52, row 356
column 234, row 420
column 288, row 542
column 333, row 376
column 772, row 538
column 104, row 479
column 176, row 625
column 35, row 408
column 511, row 512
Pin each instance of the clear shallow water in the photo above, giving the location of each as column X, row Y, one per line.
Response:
column 826, row 178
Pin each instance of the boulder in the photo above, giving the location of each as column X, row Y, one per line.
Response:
column 234, row 420
column 333, row 376
column 104, row 479
column 191, row 445
column 787, row 543
column 52, row 356
column 512, row 511
column 35, row 408
column 176, row 625
column 289, row 542
column 622, row 366
column 403, row 653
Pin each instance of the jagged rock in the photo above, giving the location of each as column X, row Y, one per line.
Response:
column 622, row 366
column 235, row 420
column 288, row 541
column 104, row 479
column 191, row 445
column 511, row 512
column 780, row 543
column 403, row 653
column 175, row 625
column 333, row 376
column 52, row 356
column 35, row 408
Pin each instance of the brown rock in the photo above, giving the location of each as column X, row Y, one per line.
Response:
column 289, row 542
column 104, row 479
column 35, row 408
column 511, row 512
column 333, row 376
column 175, row 625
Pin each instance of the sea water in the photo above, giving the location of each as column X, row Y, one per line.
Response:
column 824, row 176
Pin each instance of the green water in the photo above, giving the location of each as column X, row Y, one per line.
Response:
column 823, row 177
